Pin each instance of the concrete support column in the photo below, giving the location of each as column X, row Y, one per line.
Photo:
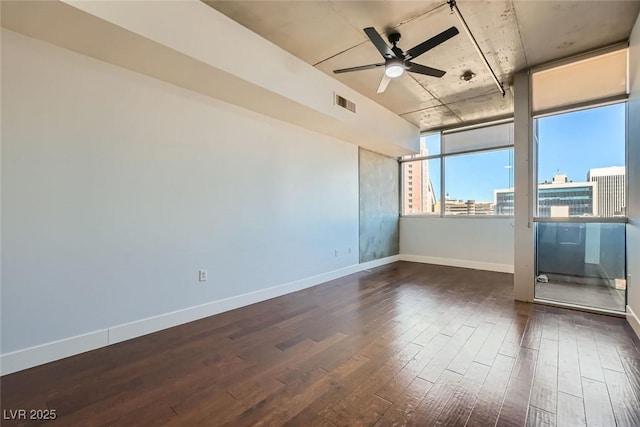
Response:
column 524, row 255
column 633, row 182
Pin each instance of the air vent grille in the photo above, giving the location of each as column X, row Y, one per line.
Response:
column 345, row 103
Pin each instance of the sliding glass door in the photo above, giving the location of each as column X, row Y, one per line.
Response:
column 580, row 208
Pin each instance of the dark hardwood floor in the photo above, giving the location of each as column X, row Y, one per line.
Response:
column 404, row 344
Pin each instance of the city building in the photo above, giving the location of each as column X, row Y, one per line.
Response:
column 611, row 189
column 418, row 187
column 465, row 207
column 558, row 198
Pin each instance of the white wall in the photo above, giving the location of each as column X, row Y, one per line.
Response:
column 633, row 176
column 480, row 243
column 172, row 41
column 117, row 188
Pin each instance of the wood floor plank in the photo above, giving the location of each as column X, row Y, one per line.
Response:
column 551, row 324
column 325, row 403
column 533, row 333
column 469, row 351
column 401, row 412
column 590, row 366
column 457, row 410
column 568, row 362
column 163, row 415
column 487, row 406
column 492, row 344
column 544, row 393
column 397, row 385
column 457, row 321
column 363, row 395
column 279, row 408
column 516, row 403
column 632, row 368
column 626, row 405
column 539, row 418
column 609, row 357
column 436, row 399
column 628, row 350
column 511, row 344
column 320, row 422
column 440, row 361
column 570, row 411
column 597, row 405
column 378, row 347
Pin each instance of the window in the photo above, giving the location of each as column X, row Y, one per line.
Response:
column 478, row 173
column 596, row 77
column 474, row 181
column 421, row 179
column 581, row 163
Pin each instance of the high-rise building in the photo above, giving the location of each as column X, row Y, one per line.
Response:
column 558, row 198
column 420, row 197
column 611, row 189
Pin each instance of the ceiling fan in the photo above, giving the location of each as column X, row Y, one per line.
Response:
column 396, row 61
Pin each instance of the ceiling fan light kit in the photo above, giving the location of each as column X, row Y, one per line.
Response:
column 394, row 68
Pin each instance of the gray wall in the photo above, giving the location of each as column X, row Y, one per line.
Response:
column 379, row 205
column 633, row 167
column 110, row 208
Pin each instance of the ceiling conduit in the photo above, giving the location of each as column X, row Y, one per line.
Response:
column 454, row 8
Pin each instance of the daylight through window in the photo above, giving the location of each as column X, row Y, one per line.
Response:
column 581, row 163
column 466, row 172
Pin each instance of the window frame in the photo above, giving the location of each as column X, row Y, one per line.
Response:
column 534, row 209
column 442, row 157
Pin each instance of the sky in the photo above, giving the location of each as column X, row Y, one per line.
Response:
column 569, row 143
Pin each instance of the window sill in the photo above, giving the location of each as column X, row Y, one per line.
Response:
column 434, row 216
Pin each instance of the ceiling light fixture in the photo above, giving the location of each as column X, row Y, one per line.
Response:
column 467, row 75
column 394, row 68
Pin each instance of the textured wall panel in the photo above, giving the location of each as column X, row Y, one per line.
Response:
column 379, row 204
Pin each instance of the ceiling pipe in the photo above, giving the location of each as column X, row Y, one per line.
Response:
column 454, row 8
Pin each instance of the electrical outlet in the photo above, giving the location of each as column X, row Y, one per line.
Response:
column 336, row 252
column 202, row 275
column 349, row 251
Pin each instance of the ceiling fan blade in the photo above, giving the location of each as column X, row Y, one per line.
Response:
column 427, row 71
column 379, row 43
column 434, row 41
column 384, row 83
column 359, row 68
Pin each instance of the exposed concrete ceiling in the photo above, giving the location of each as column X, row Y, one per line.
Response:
column 513, row 35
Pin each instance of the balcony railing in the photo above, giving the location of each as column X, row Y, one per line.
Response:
column 582, row 261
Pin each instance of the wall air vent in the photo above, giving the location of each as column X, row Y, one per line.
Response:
column 345, row 103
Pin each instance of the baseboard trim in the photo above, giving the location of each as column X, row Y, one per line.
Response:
column 49, row 352
column 45, row 353
column 634, row 321
column 451, row 262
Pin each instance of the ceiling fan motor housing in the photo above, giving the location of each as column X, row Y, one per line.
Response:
column 394, row 37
